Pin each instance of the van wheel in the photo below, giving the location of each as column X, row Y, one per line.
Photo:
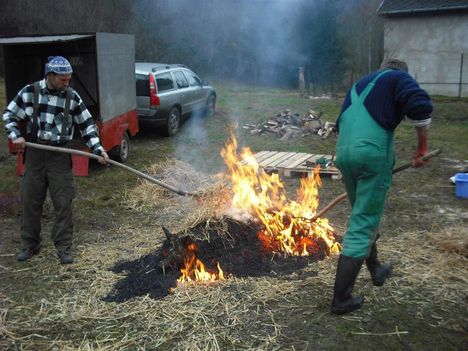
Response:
column 123, row 150
column 211, row 106
column 173, row 122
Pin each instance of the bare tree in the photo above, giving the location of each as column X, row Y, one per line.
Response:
column 363, row 33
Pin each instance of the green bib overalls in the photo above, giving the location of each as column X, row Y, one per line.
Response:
column 365, row 157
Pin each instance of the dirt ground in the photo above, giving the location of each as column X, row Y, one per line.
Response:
column 47, row 306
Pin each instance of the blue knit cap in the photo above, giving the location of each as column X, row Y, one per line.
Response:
column 58, row 65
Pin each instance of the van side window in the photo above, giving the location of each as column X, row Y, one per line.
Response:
column 192, row 78
column 164, row 82
column 180, row 80
column 142, row 85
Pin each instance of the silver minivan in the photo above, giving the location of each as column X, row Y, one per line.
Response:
column 166, row 93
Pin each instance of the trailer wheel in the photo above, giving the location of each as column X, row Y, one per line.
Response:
column 123, row 150
column 173, row 122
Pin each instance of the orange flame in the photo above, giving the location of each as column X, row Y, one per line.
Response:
column 287, row 225
column 194, row 269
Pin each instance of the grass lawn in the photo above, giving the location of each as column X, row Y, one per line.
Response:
column 47, row 306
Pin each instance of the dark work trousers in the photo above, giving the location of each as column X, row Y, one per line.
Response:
column 47, row 170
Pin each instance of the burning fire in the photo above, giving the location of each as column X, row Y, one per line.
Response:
column 287, row 225
column 194, row 269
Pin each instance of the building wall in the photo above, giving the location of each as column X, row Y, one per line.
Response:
column 435, row 48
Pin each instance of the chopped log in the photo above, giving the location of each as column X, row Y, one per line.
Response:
column 314, row 125
column 296, row 121
column 284, row 122
column 291, row 134
column 277, row 129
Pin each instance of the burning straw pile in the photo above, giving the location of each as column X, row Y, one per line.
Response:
column 251, row 229
column 248, row 229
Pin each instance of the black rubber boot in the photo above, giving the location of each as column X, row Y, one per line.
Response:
column 379, row 272
column 346, row 274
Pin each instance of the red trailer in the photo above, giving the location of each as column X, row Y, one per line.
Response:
column 103, row 75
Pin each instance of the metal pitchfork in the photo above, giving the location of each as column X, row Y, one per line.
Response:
column 112, row 162
column 344, row 195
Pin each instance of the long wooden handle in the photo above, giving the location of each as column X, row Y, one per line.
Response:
column 395, row 170
column 112, row 162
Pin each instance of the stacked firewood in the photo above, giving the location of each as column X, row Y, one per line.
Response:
column 289, row 126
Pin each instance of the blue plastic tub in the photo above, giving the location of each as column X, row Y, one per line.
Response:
column 461, row 185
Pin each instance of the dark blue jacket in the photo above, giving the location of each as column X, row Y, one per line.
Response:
column 394, row 95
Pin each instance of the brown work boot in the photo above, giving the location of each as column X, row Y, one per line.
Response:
column 26, row 254
column 65, row 256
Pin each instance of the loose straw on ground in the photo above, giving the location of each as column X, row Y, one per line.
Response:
column 241, row 313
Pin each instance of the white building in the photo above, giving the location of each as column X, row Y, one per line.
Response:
column 432, row 37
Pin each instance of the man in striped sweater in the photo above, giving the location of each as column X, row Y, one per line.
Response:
column 51, row 109
column 371, row 111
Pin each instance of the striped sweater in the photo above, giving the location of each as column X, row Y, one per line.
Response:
column 50, row 116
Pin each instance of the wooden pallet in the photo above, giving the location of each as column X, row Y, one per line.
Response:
column 291, row 164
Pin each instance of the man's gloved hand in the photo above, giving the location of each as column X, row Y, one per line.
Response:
column 417, row 161
column 104, row 158
column 421, row 149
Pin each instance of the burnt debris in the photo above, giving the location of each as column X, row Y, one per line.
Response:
column 237, row 249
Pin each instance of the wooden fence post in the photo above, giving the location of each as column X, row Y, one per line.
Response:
column 301, row 82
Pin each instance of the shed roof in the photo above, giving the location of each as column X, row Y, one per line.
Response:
column 406, row 7
column 42, row 38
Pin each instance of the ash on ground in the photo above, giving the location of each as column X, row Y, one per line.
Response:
column 236, row 248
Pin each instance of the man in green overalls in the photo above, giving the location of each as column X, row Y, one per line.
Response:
column 372, row 109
